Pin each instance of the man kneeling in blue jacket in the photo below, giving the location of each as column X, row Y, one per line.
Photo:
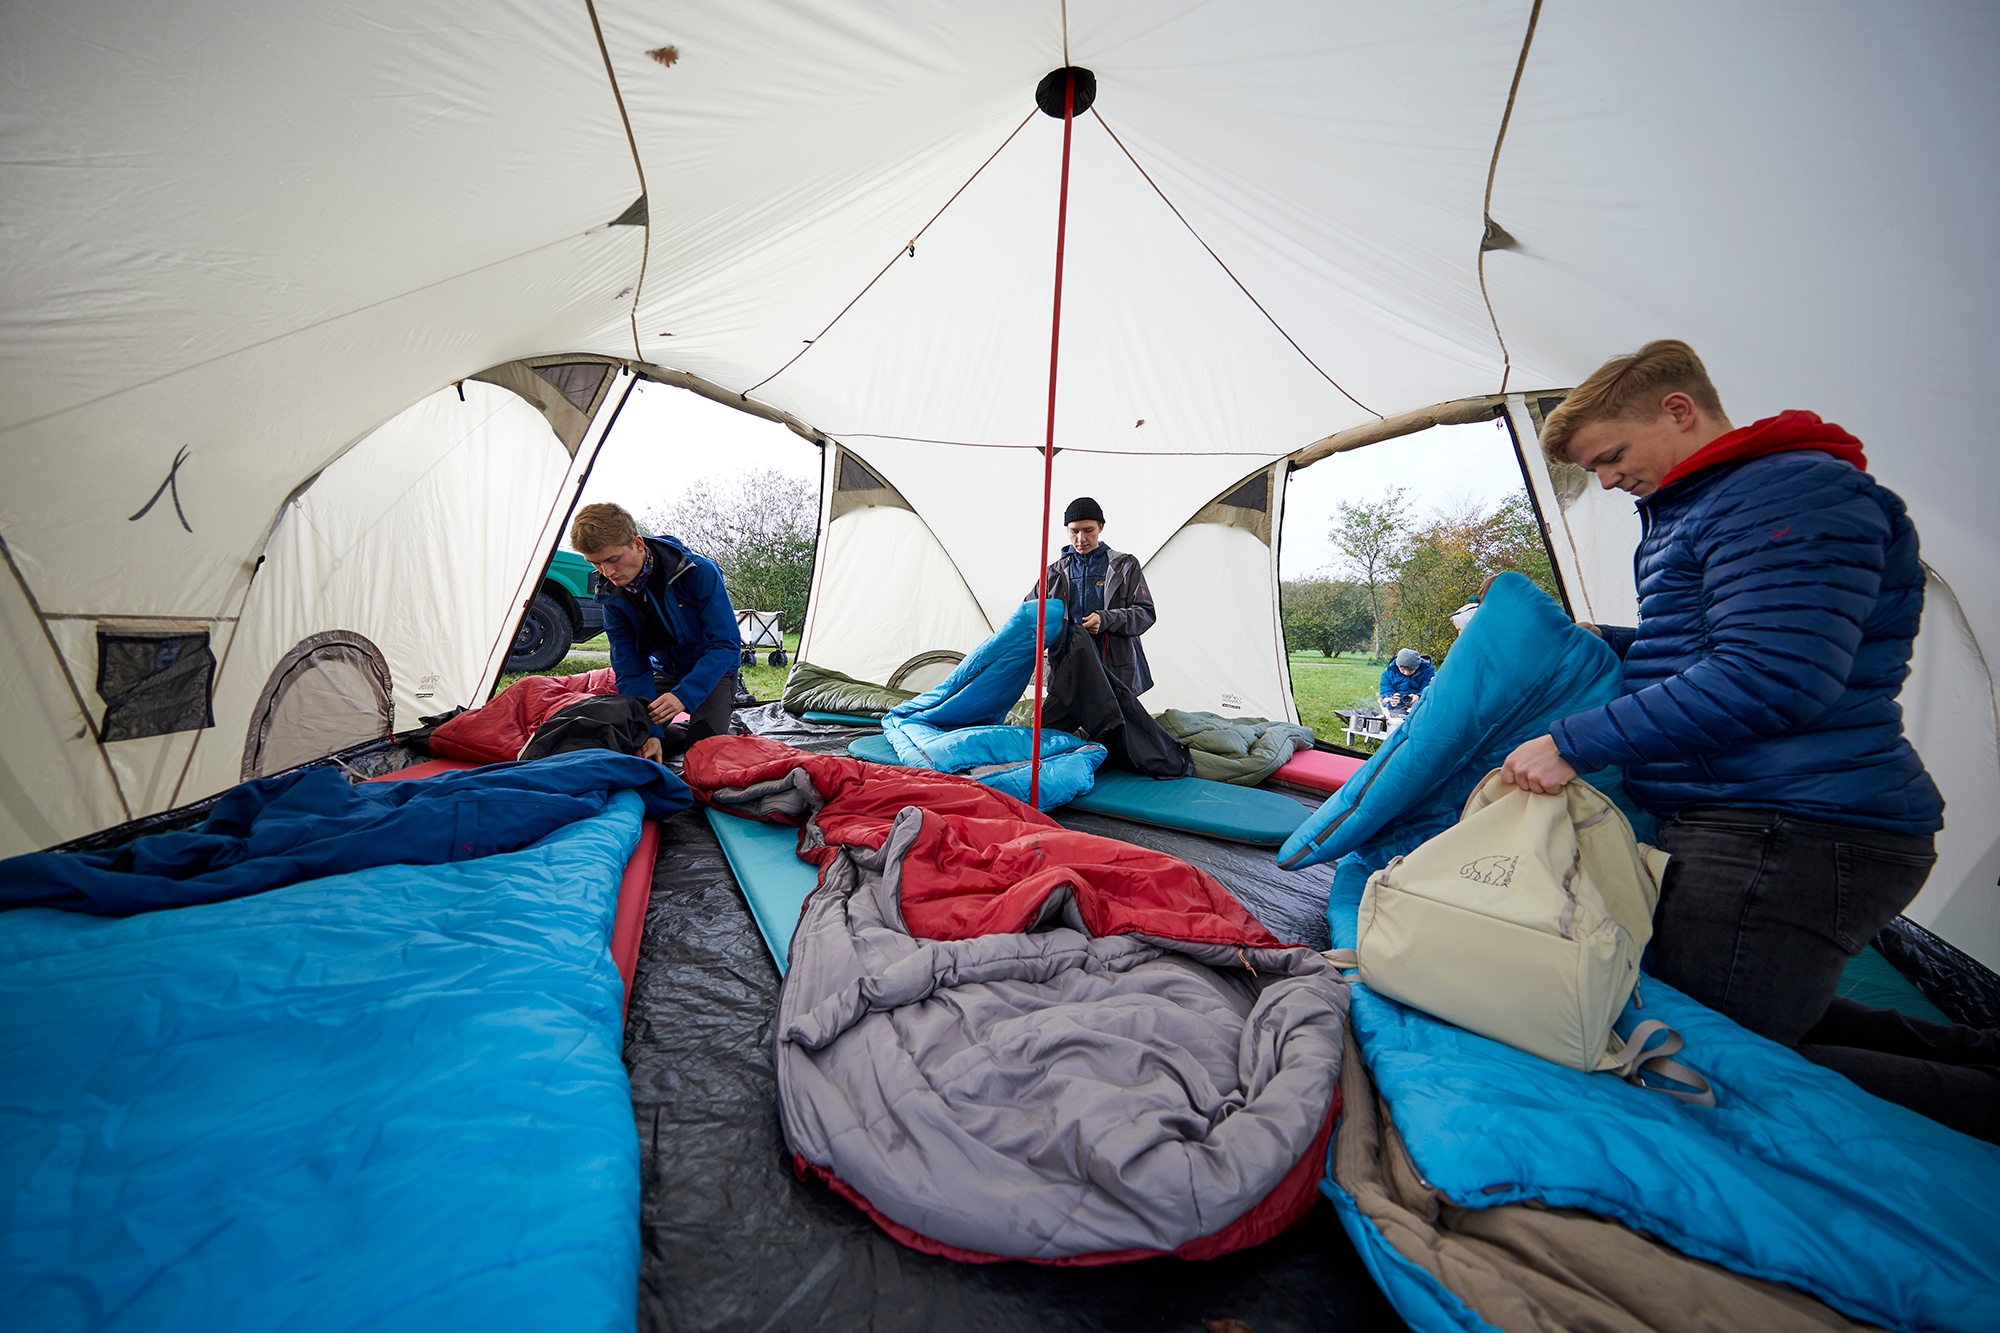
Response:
column 669, row 623
column 1779, row 593
column 1406, row 677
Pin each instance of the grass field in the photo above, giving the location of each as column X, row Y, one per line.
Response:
column 766, row 682
column 1322, row 684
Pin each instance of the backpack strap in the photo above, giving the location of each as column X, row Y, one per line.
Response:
column 1633, row 1059
column 1347, row 960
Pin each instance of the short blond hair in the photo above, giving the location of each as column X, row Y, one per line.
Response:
column 599, row 526
column 1630, row 386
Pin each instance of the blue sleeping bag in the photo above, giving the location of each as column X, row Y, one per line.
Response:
column 1796, row 1175
column 393, row 1099
column 1520, row 662
column 954, row 727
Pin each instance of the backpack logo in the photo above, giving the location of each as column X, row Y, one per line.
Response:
column 1495, row 870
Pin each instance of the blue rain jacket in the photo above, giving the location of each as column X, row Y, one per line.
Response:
column 1778, row 598
column 1395, row 682
column 677, row 620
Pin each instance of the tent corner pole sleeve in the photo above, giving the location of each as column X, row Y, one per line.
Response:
column 69, row 678
column 524, row 591
column 221, row 665
column 1535, row 504
column 1486, row 209
column 1049, row 455
column 638, row 165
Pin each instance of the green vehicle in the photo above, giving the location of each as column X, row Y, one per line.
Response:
column 561, row 612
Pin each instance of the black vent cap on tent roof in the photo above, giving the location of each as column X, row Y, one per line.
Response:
column 1049, row 92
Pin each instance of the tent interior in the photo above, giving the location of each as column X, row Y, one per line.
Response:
column 315, row 321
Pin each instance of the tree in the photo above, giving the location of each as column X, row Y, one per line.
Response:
column 761, row 527
column 1372, row 537
column 1449, row 559
column 1325, row 614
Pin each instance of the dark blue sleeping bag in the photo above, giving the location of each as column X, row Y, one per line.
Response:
column 308, row 823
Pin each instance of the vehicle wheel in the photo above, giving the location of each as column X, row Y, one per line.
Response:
column 749, row 657
column 777, row 657
column 543, row 637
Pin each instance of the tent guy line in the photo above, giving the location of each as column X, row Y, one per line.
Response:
column 907, row 250
column 1495, row 238
column 1147, row 176
column 638, row 165
column 69, row 677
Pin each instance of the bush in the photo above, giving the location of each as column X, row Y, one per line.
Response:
column 1327, row 615
column 761, row 527
column 1447, row 560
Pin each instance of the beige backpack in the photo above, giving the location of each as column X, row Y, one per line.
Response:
column 1524, row 922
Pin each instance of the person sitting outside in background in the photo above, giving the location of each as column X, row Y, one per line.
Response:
column 1404, row 679
column 1779, row 594
column 668, row 619
column 1104, row 593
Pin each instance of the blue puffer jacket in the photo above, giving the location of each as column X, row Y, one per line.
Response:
column 1779, row 592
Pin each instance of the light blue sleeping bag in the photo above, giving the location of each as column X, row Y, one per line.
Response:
column 388, row 1100
column 1795, row 1176
column 951, row 727
column 1520, row 662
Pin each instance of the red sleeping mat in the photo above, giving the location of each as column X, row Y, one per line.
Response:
column 635, row 890
column 1316, row 770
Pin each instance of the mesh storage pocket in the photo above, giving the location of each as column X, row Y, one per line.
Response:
column 153, row 683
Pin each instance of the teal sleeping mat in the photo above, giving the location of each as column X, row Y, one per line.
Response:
column 765, row 860
column 1193, row 805
column 844, row 719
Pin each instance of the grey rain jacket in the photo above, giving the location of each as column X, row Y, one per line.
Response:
column 1128, row 613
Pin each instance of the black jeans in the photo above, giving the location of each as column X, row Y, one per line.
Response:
column 708, row 718
column 1758, row 915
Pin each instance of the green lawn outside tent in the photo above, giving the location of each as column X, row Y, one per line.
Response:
column 1320, row 684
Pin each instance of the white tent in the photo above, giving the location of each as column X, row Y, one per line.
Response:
column 351, row 295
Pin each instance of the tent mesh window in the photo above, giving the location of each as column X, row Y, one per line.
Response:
column 329, row 692
column 154, row 682
column 856, row 486
column 577, row 381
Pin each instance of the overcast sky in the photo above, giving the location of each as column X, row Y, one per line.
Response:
column 667, row 437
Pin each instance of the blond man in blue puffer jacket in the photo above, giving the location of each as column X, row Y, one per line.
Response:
column 1780, row 591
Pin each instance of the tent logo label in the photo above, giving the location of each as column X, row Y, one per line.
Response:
column 172, row 483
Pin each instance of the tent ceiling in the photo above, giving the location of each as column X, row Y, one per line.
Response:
column 247, row 237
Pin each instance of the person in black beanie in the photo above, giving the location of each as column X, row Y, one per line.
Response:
column 1104, row 593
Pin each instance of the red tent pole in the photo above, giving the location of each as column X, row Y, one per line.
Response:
column 1049, row 454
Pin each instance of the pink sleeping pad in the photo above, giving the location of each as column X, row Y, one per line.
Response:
column 1316, row 770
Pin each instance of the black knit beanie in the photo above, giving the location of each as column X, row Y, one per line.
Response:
column 1080, row 509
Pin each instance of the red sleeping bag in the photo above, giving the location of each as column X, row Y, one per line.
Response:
column 985, row 864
